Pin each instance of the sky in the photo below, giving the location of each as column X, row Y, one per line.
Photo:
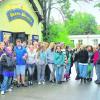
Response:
column 81, row 6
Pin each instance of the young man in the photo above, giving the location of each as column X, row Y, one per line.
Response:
column 21, row 54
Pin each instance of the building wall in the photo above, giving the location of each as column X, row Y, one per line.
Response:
column 18, row 24
column 86, row 39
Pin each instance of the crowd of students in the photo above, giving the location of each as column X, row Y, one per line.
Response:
column 16, row 61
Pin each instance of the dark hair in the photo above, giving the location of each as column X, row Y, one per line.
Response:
column 57, row 47
column 99, row 45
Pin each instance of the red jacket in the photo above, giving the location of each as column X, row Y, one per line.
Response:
column 96, row 57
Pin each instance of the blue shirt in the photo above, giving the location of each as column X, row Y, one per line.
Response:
column 50, row 56
column 19, row 55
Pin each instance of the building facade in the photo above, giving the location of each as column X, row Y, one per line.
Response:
column 93, row 40
column 21, row 19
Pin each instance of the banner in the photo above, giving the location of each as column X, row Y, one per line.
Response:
column 18, row 13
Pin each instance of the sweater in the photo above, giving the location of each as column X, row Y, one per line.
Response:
column 83, row 56
column 59, row 58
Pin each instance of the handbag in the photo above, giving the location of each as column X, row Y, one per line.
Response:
column 90, row 68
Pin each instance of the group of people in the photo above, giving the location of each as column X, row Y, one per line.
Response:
column 16, row 61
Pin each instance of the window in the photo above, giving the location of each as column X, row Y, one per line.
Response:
column 80, row 42
column 95, row 41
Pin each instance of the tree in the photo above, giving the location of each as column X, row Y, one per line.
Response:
column 58, row 33
column 81, row 23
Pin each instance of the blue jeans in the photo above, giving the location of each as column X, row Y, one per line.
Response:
column 98, row 71
column 59, row 72
column 41, row 72
column 6, row 83
column 83, row 68
column 68, row 68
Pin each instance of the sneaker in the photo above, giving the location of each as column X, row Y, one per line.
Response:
column 59, row 82
column 24, row 85
column 43, row 83
column 11, row 87
column 2, row 92
column 39, row 83
column 31, row 83
column 51, row 81
column 18, row 85
column 9, row 90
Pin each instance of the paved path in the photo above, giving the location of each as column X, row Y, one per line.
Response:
column 71, row 90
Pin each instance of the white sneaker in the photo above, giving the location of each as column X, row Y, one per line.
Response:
column 39, row 83
column 2, row 92
column 43, row 83
column 9, row 90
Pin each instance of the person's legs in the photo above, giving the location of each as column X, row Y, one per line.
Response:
column 84, row 73
column 92, row 70
column 4, row 84
column 67, row 68
column 90, row 74
column 39, row 73
column 98, row 71
column 9, row 84
column 43, row 72
column 51, row 67
column 57, row 73
column 22, row 68
column 81, row 70
column 31, row 69
column 67, row 75
column 18, row 72
column 60, row 73
column 77, row 70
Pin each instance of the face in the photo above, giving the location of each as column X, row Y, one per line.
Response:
column 35, row 44
column 18, row 43
column 31, row 47
column 58, row 49
column 89, row 48
column 9, row 49
column 6, row 39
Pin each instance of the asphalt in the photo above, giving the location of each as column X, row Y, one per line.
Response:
column 71, row 90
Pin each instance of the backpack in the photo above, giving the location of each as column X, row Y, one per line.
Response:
column 8, row 62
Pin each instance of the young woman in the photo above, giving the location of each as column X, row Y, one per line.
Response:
column 41, row 64
column 69, row 62
column 83, row 63
column 31, row 63
column 59, row 61
column 50, row 61
column 8, row 64
column 90, row 62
